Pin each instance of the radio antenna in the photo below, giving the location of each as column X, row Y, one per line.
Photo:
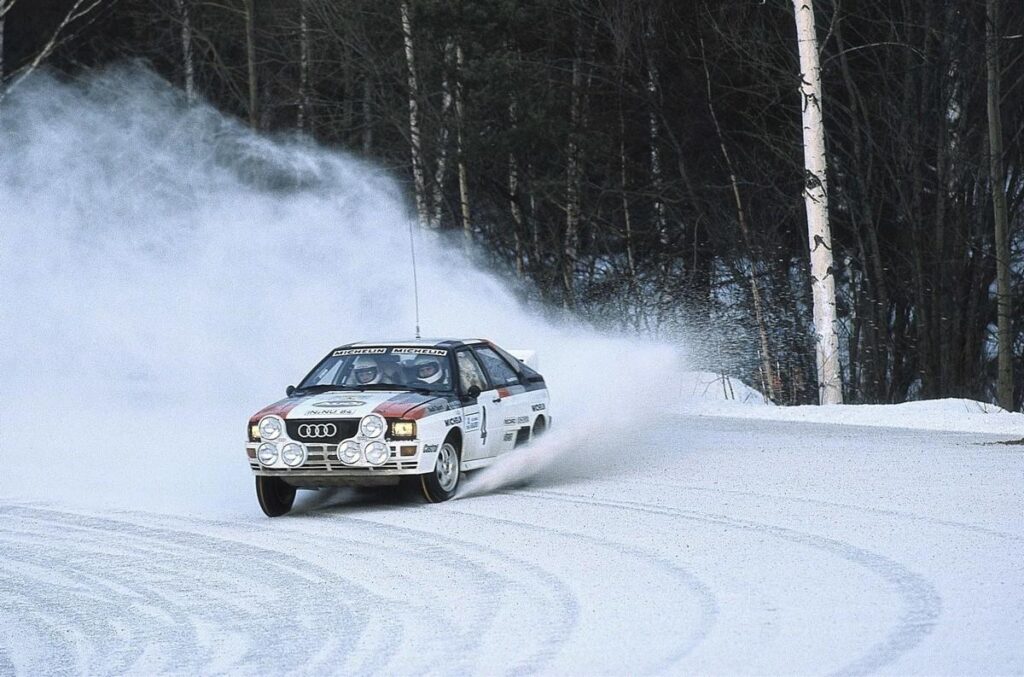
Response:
column 415, row 281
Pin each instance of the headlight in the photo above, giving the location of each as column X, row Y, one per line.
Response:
column 403, row 430
column 293, row 454
column 372, row 425
column 271, row 427
column 377, row 453
column 348, row 452
column 254, row 432
column 267, row 454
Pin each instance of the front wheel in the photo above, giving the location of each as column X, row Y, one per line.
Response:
column 276, row 496
column 441, row 484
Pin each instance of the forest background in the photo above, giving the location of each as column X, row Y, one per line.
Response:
column 639, row 165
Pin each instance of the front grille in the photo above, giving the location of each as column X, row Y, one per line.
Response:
column 318, row 430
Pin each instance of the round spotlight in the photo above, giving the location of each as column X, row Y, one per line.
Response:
column 377, row 453
column 267, row 454
column 349, row 452
column 271, row 427
column 372, row 425
column 293, row 454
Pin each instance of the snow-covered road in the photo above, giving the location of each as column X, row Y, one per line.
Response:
column 703, row 545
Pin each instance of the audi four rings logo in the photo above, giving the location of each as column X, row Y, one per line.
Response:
column 318, row 430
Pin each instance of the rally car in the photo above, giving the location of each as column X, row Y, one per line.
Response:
column 419, row 411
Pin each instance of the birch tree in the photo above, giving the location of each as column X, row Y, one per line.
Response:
column 460, row 149
column 997, row 181
column 826, row 339
column 415, row 147
column 187, row 60
column 303, row 112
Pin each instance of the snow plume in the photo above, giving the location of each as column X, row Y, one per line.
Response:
column 166, row 272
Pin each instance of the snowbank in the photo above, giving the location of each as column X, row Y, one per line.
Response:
column 709, row 394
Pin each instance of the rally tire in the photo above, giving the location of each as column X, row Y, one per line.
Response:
column 276, row 496
column 442, row 484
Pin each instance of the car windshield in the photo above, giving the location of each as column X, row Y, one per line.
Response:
column 382, row 368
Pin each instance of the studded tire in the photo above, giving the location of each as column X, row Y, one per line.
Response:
column 276, row 496
column 442, row 484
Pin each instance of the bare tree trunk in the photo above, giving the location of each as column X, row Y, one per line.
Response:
column 572, row 184
column 367, row 116
column 460, row 121
column 250, row 54
column 816, row 203
column 741, row 217
column 654, row 136
column 513, row 189
column 419, row 180
column 997, row 179
column 441, row 167
column 623, row 179
column 187, row 61
column 303, row 113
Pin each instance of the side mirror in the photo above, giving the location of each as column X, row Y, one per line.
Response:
column 473, row 392
column 289, row 390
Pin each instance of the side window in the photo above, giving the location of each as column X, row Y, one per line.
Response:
column 500, row 371
column 469, row 372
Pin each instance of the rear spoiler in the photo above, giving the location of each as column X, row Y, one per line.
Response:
column 527, row 357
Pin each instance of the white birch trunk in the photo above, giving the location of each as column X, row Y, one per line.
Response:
column 367, row 117
column 460, row 120
column 303, row 113
column 572, row 188
column 997, row 179
column 654, row 131
column 419, row 180
column 513, row 189
column 441, row 166
column 826, row 339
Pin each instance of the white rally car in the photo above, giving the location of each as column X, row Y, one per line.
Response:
column 371, row 414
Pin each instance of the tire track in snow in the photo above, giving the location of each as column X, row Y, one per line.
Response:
column 263, row 636
column 708, row 604
column 921, row 601
column 899, row 514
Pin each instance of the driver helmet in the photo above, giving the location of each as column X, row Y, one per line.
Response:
column 427, row 369
column 366, row 370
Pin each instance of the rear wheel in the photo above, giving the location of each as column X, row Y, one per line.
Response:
column 442, row 484
column 276, row 496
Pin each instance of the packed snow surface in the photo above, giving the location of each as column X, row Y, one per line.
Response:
column 166, row 273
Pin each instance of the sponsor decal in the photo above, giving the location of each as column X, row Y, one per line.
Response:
column 429, row 448
column 523, row 419
column 359, row 351
column 453, row 420
column 419, row 351
column 336, row 403
column 539, row 407
column 333, row 412
column 509, row 436
column 510, row 421
column 472, row 422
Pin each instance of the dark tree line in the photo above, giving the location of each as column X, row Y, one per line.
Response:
column 640, row 163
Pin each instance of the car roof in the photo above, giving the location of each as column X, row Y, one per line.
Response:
column 418, row 342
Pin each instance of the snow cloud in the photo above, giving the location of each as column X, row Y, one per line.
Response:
column 165, row 272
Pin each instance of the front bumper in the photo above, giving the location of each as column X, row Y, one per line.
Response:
column 407, row 457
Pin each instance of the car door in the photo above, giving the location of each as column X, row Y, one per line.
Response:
column 481, row 415
column 511, row 395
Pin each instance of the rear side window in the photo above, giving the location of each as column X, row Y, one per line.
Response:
column 500, row 371
column 469, row 372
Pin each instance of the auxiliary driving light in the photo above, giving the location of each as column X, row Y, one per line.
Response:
column 377, row 453
column 271, row 427
column 293, row 454
column 349, row 452
column 372, row 425
column 267, row 454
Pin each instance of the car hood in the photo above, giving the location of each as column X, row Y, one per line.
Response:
column 347, row 404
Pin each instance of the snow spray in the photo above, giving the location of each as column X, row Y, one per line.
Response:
column 165, row 272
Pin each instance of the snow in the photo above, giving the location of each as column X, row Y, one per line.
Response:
column 671, row 521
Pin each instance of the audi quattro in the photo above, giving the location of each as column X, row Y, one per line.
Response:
column 418, row 411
